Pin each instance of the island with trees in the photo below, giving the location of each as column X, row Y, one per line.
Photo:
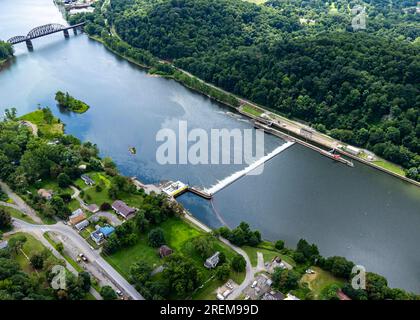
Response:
column 66, row 101
column 6, row 51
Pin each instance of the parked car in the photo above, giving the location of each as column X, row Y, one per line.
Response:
column 83, row 257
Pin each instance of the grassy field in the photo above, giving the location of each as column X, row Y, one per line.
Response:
column 251, row 110
column 49, row 185
column 31, row 247
column 56, row 128
column 18, row 215
column 390, row 166
column 178, row 234
column 320, row 280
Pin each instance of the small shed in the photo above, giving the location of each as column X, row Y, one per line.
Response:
column 165, row 251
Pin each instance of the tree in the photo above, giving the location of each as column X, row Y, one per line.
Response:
column 84, row 281
column 108, row 293
column 156, row 237
column 223, row 272
column 182, row 275
column 63, row 180
column 140, row 272
column 279, row 245
column 204, row 246
column 376, row 286
column 141, row 222
column 5, row 220
column 238, row 263
column 330, row 292
column 37, row 261
column 310, row 252
column 285, row 280
column 16, row 243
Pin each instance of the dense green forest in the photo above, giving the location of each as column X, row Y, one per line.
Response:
column 299, row 58
column 6, row 50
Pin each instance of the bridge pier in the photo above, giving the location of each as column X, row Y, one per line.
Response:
column 66, row 33
column 29, row 44
column 75, row 31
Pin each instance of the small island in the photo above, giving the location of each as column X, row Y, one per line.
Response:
column 70, row 103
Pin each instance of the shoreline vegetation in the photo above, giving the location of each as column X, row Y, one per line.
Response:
column 6, row 52
column 66, row 101
column 156, row 67
column 44, row 164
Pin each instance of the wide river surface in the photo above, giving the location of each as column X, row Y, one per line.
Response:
column 367, row 216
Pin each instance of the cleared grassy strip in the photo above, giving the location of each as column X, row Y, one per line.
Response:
column 73, row 263
column 56, row 128
column 251, row 110
column 320, row 280
column 18, row 215
column 390, row 166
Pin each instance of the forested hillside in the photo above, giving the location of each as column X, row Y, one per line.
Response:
column 300, row 58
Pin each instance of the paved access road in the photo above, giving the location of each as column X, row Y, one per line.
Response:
column 20, row 204
column 93, row 256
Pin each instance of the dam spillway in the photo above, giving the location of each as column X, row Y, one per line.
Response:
column 239, row 174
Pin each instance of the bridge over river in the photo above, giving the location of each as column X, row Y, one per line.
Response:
column 43, row 31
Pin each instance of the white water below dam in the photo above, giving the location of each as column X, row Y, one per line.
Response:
column 237, row 175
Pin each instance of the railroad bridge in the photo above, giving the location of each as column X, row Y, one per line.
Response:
column 43, row 31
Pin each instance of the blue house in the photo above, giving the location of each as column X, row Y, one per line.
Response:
column 107, row 231
column 101, row 234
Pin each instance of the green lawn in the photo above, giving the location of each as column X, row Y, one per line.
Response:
column 178, row 234
column 30, row 247
column 320, row 280
column 49, row 185
column 251, row 110
column 56, row 128
column 390, row 166
column 124, row 259
column 18, row 215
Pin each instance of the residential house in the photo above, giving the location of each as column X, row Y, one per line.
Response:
column 46, row 194
column 101, row 234
column 87, row 180
column 121, row 208
column 81, row 225
column 273, row 295
column 165, row 251
column 97, row 236
column 77, row 216
column 212, row 261
column 93, row 208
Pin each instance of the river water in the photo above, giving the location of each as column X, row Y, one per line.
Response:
column 360, row 213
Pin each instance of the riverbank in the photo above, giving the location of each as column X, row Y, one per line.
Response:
column 254, row 111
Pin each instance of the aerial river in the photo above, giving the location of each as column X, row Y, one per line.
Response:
column 367, row 216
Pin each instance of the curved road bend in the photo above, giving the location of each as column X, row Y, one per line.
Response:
column 249, row 270
column 20, row 204
column 92, row 255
